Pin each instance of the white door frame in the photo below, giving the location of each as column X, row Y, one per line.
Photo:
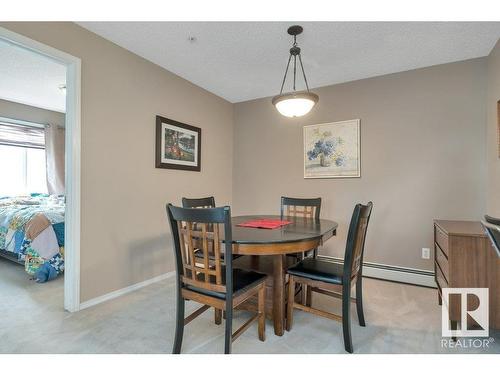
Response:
column 72, row 155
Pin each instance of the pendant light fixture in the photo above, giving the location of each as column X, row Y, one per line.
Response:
column 295, row 103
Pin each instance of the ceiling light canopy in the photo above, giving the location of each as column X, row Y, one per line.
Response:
column 296, row 103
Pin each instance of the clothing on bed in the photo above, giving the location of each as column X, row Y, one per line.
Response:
column 45, row 273
column 50, row 269
column 33, row 228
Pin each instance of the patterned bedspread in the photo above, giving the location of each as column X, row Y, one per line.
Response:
column 32, row 228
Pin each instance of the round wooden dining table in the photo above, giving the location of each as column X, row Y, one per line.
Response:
column 302, row 234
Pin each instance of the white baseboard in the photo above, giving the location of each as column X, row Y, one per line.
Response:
column 375, row 270
column 393, row 273
column 128, row 289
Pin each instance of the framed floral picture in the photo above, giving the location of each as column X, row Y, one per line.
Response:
column 178, row 145
column 332, row 150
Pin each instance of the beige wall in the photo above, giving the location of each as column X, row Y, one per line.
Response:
column 28, row 113
column 422, row 157
column 493, row 177
column 124, row 233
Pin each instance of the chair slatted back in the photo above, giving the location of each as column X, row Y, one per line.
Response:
column 353, row 259
column 200, row 229
column 199, row 269
column 307, row 208
column 208, row 202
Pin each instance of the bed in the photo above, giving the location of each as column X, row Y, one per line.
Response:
column 32, row 233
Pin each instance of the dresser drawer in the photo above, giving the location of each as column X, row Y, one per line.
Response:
column 440, row 279
column 441, row 239
column 442, row 261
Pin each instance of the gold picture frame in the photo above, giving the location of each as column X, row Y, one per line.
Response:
column 333, row 150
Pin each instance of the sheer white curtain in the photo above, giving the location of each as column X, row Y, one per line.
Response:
column 54, row 152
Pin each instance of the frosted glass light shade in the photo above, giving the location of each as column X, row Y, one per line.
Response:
column 295, row 104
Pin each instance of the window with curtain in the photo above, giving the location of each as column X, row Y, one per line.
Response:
column 22, row 159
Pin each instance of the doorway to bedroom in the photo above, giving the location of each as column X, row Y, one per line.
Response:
column 39, row 188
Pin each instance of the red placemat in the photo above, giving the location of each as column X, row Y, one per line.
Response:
column 264, row 223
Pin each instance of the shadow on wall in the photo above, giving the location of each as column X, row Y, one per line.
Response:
column 150, row 254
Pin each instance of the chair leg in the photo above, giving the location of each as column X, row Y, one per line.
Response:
column 359, row 301
column 228, row 331
column 346, row 317
column 303, row 294
column 308, row 296
column 262, row 313
column 291, row 299
column 218, row 316
column 179, row 326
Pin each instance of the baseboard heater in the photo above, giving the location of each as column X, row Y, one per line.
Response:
column 393, row 273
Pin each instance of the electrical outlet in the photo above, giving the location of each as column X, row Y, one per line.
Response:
column 426, row 253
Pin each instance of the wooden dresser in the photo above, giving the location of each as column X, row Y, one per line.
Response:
column 465, row 258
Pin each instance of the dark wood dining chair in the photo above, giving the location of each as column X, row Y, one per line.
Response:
column 326, row 277
column 206, row 202
column 301, row 207
column 211, row 283
column 307, row 208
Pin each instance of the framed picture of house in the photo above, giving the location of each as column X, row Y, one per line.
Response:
column 178, row 145
column 332, row 150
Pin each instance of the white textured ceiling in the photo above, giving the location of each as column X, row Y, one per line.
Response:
column 30, row 78
column 246, row 60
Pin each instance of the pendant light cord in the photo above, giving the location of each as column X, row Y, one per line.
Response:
column 303, row 73
column 294, row 62
column 294, row 68
column 286, row 71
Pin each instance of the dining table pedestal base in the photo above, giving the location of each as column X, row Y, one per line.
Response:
column 275, row 267
column 268, row 251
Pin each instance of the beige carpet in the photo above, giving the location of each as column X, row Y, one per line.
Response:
column 400, row 319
